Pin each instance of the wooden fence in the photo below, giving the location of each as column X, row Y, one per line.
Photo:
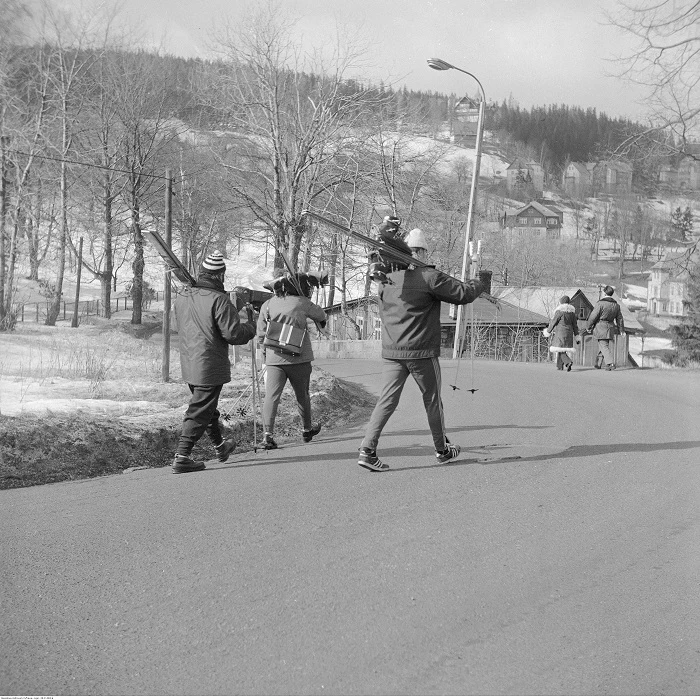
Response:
column 39, row 310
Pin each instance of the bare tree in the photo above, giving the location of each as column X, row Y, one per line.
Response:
column 288, row 116
column 665, row 58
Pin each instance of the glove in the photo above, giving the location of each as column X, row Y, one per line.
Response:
column 546, row 333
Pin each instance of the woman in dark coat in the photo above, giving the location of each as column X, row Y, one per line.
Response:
column 563, row 330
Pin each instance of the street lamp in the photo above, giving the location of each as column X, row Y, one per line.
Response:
column 439, row 64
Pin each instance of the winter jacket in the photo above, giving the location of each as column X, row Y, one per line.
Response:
column 409, row 308
column 207, row 324
column 605, row 321
column 289, row 309
column 563, row 329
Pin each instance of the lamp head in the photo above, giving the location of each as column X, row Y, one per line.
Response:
column 439, row 64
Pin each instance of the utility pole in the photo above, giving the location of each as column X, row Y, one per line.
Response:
column 4, row 141
column 168, row 274
column 74, row 321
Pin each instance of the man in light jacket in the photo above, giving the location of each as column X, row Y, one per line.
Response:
column 409, row 307
column 605, row 322
column 208, row 323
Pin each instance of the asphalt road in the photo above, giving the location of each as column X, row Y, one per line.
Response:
column 559, row 555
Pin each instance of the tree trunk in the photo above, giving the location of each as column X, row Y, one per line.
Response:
column 137, row 267
column 107, row 270
column 55, row 307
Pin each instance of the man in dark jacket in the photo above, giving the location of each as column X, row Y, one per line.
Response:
column 208, row 323
column 409, row 307
column 605, row 322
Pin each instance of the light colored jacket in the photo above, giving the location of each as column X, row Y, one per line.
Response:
column 289, row 309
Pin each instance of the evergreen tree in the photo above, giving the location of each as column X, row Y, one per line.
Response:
column 681, row 223
column 686, row 335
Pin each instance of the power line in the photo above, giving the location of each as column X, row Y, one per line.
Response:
column 100, row 167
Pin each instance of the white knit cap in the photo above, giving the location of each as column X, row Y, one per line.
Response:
column 416, row 239
column 214, row 262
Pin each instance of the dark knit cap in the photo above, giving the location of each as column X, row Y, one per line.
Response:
column 564, row 300
column 213, row 263
column 609, row 291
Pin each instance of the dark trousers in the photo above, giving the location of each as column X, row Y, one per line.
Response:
column 426, row 373
column 276, row 377
column 201, row 416
column 563, row 360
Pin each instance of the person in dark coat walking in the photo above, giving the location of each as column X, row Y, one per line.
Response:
column 605, row 322
column 563, row 330
column 409, row 307
column 293, row 309
column 208, row 322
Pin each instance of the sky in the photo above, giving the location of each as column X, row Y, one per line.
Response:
column 540, row 52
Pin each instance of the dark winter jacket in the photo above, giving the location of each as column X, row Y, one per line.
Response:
column 563, row 329
column 207, row 324
column 289, row 309
column 605, row 321
column 409, row 308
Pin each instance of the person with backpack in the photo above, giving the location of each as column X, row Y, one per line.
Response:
column 282, row 331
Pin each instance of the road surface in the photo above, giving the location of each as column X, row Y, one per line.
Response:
column 559, row 555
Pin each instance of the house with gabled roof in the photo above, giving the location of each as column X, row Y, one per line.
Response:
column 534, row 218
column 576, row 180
column 522, row 175
column 501, row 330
column 667, row 287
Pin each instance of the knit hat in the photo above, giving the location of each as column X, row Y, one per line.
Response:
column 214, row 263
column 416, row 239
column 564, row 300
column 609, row 291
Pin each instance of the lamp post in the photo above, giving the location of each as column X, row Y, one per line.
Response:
column 439, row 64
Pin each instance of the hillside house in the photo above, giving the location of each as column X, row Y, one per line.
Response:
column 576, row 180
column 524, row 176
column 534, row 218
column 682, row 173
column 544, row 300
column 612, row 177
column 667, row 288
column 465, row 121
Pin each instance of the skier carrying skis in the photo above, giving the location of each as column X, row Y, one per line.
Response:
column 409, row 307
column 208, row 322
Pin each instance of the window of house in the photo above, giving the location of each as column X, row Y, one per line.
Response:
column 582, row 313
column 552, row 221
column 522, row 231
column 522, row 220
column 664, row 306
column 538, row 221
column 377, row 335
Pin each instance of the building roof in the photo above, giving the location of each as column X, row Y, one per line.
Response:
column 543, row 300
column 544, row 210
column 581, row 167
column 495, row 312
column 487, row 310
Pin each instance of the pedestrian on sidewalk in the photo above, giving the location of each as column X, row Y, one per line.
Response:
column 292, row 306
column 409, row 307
column 605, row 322
column 565, row 331
column 208, row 323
